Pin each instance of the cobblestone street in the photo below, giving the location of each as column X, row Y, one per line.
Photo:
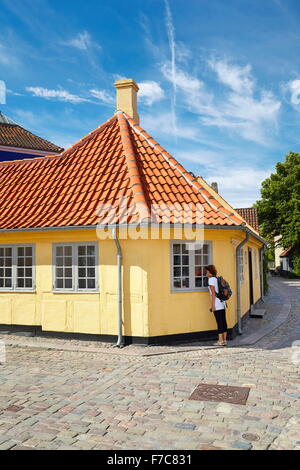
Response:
column 63, row 399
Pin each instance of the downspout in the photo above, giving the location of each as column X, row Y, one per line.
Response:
column 238, row 287
column 120, row 342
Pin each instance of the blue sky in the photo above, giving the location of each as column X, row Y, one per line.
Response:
column 219, row 81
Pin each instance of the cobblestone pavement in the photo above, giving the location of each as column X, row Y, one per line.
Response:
column 52, row 399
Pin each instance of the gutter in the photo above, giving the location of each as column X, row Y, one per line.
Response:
column 120, row 342
column 136, row 224
column 238, row 287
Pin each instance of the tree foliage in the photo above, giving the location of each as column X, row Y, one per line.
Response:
column 279, row 206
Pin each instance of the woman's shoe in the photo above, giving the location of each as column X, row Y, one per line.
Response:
column 219, row 343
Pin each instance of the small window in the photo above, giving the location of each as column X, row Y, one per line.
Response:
column 188, row 263
column 241, row 264
column 75, row 267
column 17, row 267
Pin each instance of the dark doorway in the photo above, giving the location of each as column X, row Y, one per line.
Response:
column 250, row 277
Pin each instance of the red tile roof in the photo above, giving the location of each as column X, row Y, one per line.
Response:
column 13, row 135
column 117, row 162
column 250, row 215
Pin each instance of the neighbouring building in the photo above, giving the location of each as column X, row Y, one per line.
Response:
column 92, row 240
column 17, row 143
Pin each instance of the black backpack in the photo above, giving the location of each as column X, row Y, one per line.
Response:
column 224, row 289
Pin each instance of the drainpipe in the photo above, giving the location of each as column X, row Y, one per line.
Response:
column 238, row 250
column 120, row 343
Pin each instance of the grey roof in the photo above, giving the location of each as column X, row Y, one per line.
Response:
column 5, row 120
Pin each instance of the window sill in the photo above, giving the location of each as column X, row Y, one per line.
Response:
column 18, row 291
column 75, row 292
column 201, row 289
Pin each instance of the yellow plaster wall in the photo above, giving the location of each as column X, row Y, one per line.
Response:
column 150, row 308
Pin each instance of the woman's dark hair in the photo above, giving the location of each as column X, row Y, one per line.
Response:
column 212, row 269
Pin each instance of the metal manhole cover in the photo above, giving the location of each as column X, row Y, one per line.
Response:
column 221, row 393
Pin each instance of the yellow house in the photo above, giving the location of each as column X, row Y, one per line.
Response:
column 110, row 239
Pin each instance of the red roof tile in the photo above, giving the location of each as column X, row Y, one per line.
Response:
column 250, row 215
column 13, row 135
column 116, row 163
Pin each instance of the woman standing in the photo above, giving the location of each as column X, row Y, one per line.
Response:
column 217, row 306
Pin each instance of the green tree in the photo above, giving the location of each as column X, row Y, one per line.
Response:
column 279, row 206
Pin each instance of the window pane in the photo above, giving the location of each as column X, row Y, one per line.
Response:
column 198, row 271
column 184, row 248
column 205, row 281
column 8, row 261
column 21, row 261
column 59, row 283
column 28, row 251
column 91, row 272
column 67, row 251
column 176, row 249
column 8, row 272
column 20, row 283
column 59, row 272
column 59, row 251
column 8, row 283
column 177, row 272
column 1, row 282
column 81, row 250
column 1, row 261
column 81, row 272
column 82, row 261
column 198, row 260
column 198, row 282
column 91, row 283
column 59, row 261
column 68, row 261
column 91, row 261
column 21, row 251
column 82, row 283
column 8, row 252
column 28, row 283
column 2, row 252
column 68, row 272
column 177, row 260
column 186, row 271
column 91, row 250
column 185, row 282
column 68, row 283
column 177, row 283
column 185, row 260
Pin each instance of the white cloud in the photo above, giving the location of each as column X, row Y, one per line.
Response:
column 238, row 110
column 161, row 124
column 82, row 41
column 238, row 78
column 150, row 92
column 241, row 185
column 102, row 95
column 294, row 88
column 60, row 95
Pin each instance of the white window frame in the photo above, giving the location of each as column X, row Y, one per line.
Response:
column 192, row 287
column 75, row 267
column 14, row 287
